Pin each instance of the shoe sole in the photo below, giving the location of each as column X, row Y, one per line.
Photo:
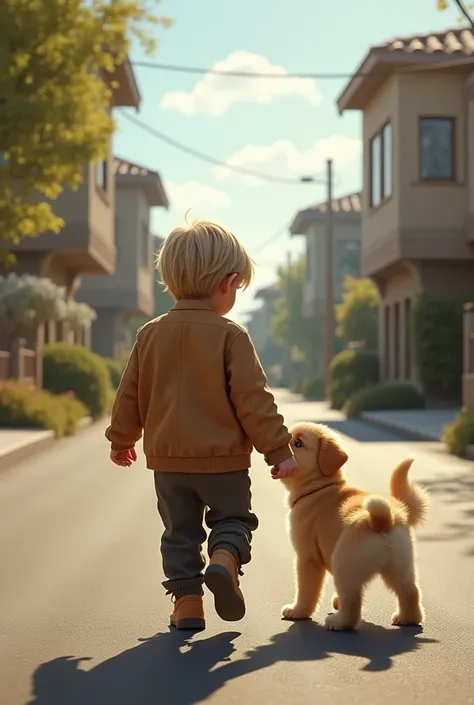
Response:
column 229, row 606
column 190, row 623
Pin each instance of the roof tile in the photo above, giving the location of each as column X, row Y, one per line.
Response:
column 350, row 203
column 452, row 41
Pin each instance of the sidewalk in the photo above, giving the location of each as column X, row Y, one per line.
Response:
column 420, row 424
column 17, row 444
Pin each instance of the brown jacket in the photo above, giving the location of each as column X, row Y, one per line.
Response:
column 195, row 387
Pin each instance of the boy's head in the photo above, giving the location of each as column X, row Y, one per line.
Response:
column 205, row 261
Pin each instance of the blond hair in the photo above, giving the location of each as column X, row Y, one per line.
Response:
column 196, row 258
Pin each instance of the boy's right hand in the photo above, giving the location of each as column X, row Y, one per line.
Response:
column 287, row 468
column 123, row 458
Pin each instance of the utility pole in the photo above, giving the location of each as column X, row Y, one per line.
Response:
column 329, row 299
column 288, row 346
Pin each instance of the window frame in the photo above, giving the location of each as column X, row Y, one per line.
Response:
column 384, row 194
column 103, row 165
column 437, row 179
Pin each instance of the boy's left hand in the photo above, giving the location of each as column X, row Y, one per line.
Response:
column 123, row 458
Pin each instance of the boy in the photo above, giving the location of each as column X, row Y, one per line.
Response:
column 195, row 387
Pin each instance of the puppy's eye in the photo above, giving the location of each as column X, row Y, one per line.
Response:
column 298, row 443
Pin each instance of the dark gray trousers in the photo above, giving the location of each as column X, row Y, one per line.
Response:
column 185, row 500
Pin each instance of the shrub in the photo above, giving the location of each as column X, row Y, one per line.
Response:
column 23, row 406
column 115, row 370
column 460, row 433
column 384, row 397
column 349, row 371
column 437, row 327
column 313, row 388
column 75, row 368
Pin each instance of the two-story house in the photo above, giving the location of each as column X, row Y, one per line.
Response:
column 347, row 238
column 86, row 244
column 416, row 95
column 129, row 291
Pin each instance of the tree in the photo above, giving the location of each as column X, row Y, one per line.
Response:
column 289, row 326
column 357, row 314
column 79, row 315
column 463, row 8
column 27, row 302
column 54, row 103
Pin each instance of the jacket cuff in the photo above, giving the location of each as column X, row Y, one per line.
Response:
column 122, row 446
column 278, row 455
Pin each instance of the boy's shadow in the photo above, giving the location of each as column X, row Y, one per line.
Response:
column 176, row 669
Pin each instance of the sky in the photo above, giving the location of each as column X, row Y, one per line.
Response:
column 286, row 128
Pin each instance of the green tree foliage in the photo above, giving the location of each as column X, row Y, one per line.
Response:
column 357, row 315
column 288, row 325
column 54, row 114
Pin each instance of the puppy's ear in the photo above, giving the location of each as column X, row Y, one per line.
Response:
column 331, row 456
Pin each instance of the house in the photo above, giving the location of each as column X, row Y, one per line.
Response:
column 86, row 244
column 347, row 238
column 416, row 95
column 269, row 352
column 129, row 291
column 255, row 325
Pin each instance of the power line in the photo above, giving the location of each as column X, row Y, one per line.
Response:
column 464, row 11
column 212, row 160
column 257, row 75
column 276, row 236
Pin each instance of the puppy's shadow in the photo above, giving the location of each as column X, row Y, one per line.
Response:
column 308, row 641
column 175, row 669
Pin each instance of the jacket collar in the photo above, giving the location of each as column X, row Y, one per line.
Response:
column 191, row 305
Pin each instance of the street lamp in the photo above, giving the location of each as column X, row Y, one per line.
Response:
column 329, row 302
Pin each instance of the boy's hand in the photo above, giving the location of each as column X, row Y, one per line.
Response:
column 287, row 468
column 124, row 458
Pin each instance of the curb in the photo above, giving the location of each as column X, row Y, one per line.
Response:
column 44, row 440
column 26, row 448
column 412, row 433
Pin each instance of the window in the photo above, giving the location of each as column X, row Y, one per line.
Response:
column 388, row 340
column 381, row 166
column 408, row 339
column 101, row 174
column 396, row 341
column 437, row 149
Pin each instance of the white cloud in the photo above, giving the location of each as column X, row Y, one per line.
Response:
column 193, row 194
column 214, row 94
column 283, row 158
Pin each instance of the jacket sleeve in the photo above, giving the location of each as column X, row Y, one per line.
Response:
column 254, row 403
column 126, row 427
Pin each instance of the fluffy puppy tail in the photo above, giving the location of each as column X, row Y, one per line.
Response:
column 411, row 495
column 379, row 514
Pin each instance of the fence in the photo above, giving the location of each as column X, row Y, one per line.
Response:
column 22, row 363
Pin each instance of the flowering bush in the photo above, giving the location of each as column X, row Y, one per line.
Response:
column 24, row 406
column 27, row 302
column 79, row 315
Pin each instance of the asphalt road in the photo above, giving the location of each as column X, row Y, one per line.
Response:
column 83, row 617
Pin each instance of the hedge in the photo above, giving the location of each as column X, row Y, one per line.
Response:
column 74, row 368
column 23, row 406
column 437, row 330
column 349, row 371
column 384, row 397
column 460, row 433
column 115, row 370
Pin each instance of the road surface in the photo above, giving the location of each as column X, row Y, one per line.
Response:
column 83, row 617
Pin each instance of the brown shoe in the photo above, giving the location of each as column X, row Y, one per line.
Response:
column 188, row 613
column 222, row 579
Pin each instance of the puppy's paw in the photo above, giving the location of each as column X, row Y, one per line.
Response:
column 335, row 602
column 402, row 620
column 294, row 612
column 335, row 623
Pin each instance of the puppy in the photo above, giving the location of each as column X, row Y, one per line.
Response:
column 350, row 533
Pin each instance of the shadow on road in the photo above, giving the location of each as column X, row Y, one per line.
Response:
column 363, row 431
column 455, row 490
column 175, row 669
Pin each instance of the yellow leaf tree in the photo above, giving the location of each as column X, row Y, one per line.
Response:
column 464, row 8
column 54, row 113
column 357, row 314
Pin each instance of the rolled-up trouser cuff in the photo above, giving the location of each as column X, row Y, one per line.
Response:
column 173, row 585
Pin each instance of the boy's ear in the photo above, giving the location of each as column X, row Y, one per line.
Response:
column 227, row 283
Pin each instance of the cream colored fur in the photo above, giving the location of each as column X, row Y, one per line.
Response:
column 350, row 533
